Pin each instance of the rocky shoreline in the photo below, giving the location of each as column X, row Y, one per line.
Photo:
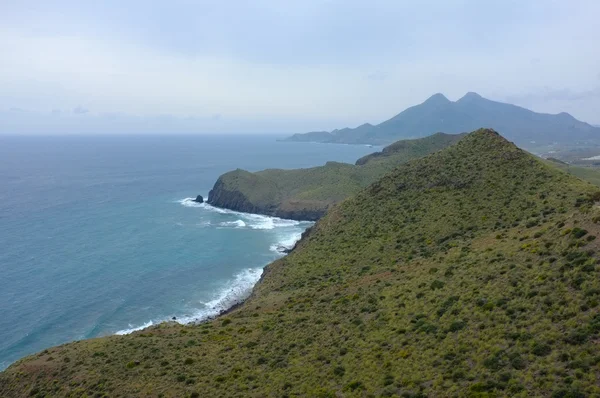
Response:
column 235, row 200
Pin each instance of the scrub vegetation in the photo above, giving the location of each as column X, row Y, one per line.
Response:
column 470, row 272
column 306, row 194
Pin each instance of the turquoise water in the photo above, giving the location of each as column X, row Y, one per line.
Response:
column 98, row 235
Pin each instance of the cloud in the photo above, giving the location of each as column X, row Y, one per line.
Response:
column 293, row 65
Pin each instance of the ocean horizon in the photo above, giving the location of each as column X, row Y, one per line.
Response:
column 100, row 234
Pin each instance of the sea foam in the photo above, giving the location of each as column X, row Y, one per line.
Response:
column 254, row 221
column 134, row 328
column 240, row 286
column 286, row 243
column 236, row 224
column 231, row 293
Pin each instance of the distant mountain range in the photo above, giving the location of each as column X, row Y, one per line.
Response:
column 439, row 114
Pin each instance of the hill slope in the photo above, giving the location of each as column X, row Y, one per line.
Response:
column 591, row 174
column 306, row 194
column 470, row 272
column 467, row 114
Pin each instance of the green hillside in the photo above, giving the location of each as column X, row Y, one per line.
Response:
column 591, row 174
column 405, row 150
column 306, row 194
column 470, row 272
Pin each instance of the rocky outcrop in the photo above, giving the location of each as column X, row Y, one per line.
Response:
column 233, row 198
column 199, row 199
column 220, row 196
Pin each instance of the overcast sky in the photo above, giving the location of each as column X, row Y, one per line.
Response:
column 183, row 66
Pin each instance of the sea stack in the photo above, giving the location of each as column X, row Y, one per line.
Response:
column 199, row 199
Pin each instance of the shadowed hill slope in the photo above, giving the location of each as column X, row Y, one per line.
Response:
column 306, row 194
column 470, row 112
column 470, row 272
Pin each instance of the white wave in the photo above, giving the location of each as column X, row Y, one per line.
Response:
column 208, row 207
column 236, row 223
column 134, row 328
column 190, row 202
column 254, row 221
column 258, row 221
column 240, row 287
column 282, row 222
column 234, row 292
column 286, row 243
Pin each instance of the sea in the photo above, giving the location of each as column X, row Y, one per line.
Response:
column 99, row 235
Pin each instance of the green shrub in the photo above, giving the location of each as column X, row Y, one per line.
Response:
column 355, row 385
column 457, row 325
column 261, row 360
column 578, row 232
column 541, row 349
column 437, row 284
column 132, row 364
column 577, row 337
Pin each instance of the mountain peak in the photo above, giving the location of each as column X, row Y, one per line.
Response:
column 566, row 116
column 471, row 96
column 438, row 98
column 470, row 112
column 487, row 139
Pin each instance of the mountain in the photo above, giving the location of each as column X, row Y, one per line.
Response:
column 469, row 272
column 306, row 194
column 438, row 114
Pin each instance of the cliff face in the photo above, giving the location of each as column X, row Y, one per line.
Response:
column 307, row 194
column 236, row 199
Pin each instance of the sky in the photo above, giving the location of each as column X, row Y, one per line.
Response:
column 273, row 66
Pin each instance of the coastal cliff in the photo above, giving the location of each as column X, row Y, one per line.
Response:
column 233, row 198
column 240, row 190
column 307, row 194
column 470, row 272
